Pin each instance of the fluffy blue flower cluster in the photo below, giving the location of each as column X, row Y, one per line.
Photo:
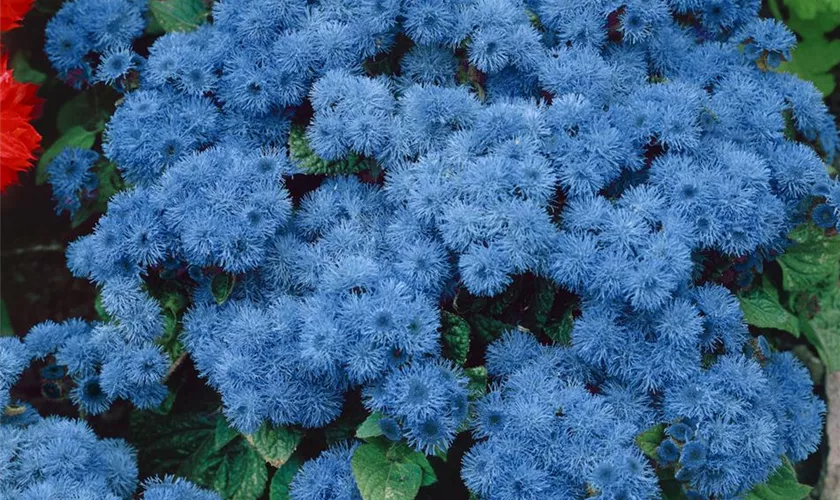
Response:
column 736, row 418
column 426, row 404
column 106, row 361
column 62, row 458
column 608, row 146
column 328, row 476
column 90, row 41
column 344, row 295
column 544, row 435
column 72, row 178
column 552, row 428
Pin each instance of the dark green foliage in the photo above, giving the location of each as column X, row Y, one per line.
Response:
column 456, row 337
column 649, row 440
column 301, row 154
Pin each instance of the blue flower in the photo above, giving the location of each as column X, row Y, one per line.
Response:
column 327, row 476
column 668, row 452
column 693, row 455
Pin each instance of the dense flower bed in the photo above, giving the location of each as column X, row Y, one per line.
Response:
column 619, row 150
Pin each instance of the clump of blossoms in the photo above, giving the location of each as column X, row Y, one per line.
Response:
column 90, row 41
column 607, row 146
column 62, row 458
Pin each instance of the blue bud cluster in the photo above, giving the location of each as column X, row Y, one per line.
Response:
column 328, row 476
column 90, row 41
column 72, row 178
column 62, row 458
column 608, row 146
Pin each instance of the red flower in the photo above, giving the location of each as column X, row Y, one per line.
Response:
column 18, row 138
column 12, row 11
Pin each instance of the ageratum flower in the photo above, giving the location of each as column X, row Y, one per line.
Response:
column 607, row 148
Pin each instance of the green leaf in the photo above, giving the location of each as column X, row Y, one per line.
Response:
column 186, row 445
column 487, row 328
column 650, row 439
column 429, row 476
column 456, row 337
column 166, row 407
column 223, row 435
column 247, row 475
column 178, row 15
column 6, row 329
column 101, row 313
column 74, row 137
column 814, row 259
column 561, row 332
column 304, row 157
column 762, row 309
column 816, row 55
column 823, row 332
column 477, row 384
column 782, row 485
column 170, row 341
column 383, row 476
column 274, row 444
column 79, row 111
column 370, row 427
column 163, row 443
column 543, row 301
column 222, row 287
column 23, row 72
column 279, row 489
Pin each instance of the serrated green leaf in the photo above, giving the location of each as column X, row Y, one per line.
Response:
column 370, row 427
column 561, row 332
column 380, row 477
column 303, row 156
column 223, row 434
column 74, row 137
column 782, row 485
column 813, row 259
column 650, row 439
column 165, row 442
column 279, row 489
column 23, row 72
column 247, row 475
column 185, row 445
column 823, row 332
column 762, row 309
column 222, row 286
column 487, row 328
column 274, row 444
column 477, row 384
column 178, row 15
column 456, row 337
column 342, row 430
column 429, row 475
